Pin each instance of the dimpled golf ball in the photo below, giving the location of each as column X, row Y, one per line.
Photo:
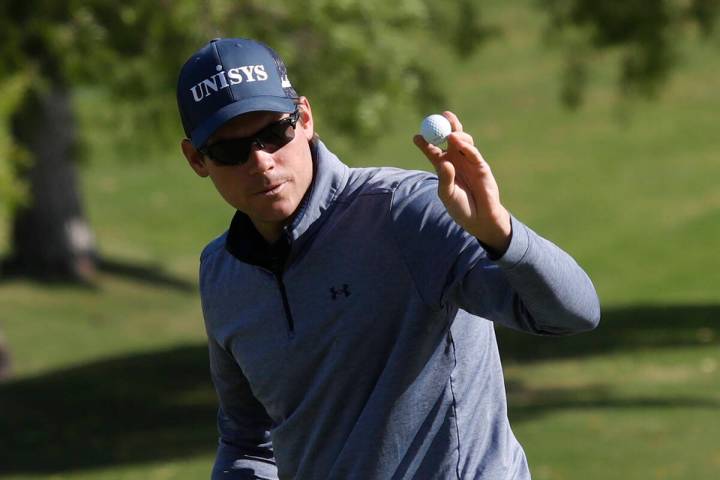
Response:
column 435, row 129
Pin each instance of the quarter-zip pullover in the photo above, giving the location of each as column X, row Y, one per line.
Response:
column 391, row 368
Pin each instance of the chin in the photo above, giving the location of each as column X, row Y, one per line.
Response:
column 280, row 211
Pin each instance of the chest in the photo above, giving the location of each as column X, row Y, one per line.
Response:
column 337, row 305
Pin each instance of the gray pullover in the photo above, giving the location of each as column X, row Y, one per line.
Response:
column 370, row 353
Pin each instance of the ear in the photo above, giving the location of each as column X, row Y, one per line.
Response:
column 194, row 158
column 306, row 117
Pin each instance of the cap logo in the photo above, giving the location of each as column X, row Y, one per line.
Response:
column 224, row 79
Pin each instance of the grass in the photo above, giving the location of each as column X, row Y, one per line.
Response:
column 112, row 383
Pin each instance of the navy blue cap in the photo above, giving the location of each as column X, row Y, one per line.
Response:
column 229, row 77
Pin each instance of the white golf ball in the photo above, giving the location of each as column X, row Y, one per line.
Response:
column 435, row 129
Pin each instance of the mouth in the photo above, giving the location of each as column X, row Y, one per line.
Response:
column 272, row 189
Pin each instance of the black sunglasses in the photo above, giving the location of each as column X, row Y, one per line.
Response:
column 236, row 151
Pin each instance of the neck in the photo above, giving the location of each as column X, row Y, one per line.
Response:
column 271, row 232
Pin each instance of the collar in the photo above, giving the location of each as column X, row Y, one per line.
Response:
column 246, row 244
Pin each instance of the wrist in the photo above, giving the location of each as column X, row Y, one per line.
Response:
column 497, row 233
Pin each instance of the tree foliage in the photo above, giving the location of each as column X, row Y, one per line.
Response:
column 364, row 53
column 645, row 33
column 355, row 59
column 358, row 59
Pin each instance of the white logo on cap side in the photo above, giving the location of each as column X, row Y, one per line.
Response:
column 224, row 79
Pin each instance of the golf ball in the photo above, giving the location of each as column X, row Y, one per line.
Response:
column 435, row 129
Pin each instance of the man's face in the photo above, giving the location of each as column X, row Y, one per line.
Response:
column 270, row 185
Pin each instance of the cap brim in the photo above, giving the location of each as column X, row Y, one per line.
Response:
column 255, row 104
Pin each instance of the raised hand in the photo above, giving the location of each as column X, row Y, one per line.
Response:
column 468, row 188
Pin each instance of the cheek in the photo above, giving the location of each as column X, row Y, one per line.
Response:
column 229, row 186
column 302, row 166
column 307, row 175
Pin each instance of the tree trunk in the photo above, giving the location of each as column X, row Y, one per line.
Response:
column 50, row 238
column 5, row 369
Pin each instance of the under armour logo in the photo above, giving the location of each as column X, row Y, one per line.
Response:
column 345, row 290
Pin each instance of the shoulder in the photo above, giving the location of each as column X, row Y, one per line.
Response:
column 386, row 180
column 409, row 194
column 213, row 247
column 212, row 259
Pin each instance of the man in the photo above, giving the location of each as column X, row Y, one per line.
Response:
column 349, row 311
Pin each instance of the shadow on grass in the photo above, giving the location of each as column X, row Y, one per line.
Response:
column 160, row 405
column 634, row 327
column 528, row 404
column 144, row 407
column 626, row 329
column 147, row 273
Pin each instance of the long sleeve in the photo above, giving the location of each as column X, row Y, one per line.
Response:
column 535, row 286
column 245, row 450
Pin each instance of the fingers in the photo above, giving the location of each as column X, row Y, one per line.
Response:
column 446, row 179
column 459, row 143
column 445, row 170
column 461, row 137
column 462, row 143
column 433, row 153
column 457, row 136
column 430, row 150
column 454, row 121
column 461, row 153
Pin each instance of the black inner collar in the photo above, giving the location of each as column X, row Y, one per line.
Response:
column 246, row 244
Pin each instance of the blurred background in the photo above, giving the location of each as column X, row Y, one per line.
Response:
column 600, row 120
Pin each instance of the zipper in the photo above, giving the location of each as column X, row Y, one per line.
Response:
column 286, row 304
column 277, row 265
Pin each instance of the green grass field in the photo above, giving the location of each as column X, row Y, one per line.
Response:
column 112, row 383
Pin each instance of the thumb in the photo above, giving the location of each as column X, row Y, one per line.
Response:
column 446, row 178
column 445, row 170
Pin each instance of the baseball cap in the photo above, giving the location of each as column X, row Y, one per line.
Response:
column 226, row 78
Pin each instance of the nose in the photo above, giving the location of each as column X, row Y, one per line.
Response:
column 260, row 161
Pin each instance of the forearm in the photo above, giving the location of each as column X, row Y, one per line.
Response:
column 556, row 295
column 245, row 448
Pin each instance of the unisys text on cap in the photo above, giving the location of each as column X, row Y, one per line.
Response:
column 226, row 78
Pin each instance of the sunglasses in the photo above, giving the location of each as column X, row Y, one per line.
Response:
column 236, row 151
